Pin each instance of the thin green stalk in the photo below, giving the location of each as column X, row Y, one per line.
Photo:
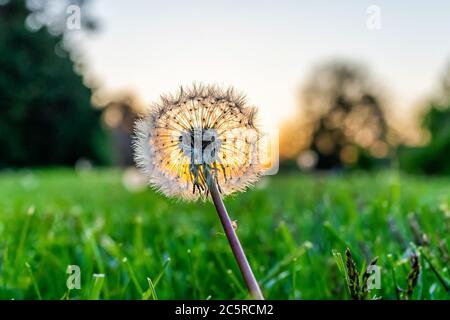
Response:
column 436, row 273
column 133, row 276
column 33, row 280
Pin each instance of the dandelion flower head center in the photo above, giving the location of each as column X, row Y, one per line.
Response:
column 200, row 144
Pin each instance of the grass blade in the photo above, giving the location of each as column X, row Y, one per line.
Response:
column 33, row 280
column 133, row 276
column 97, row 286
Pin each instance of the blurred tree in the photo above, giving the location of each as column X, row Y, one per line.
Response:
column 444, row 91
column 434, row 158
column 46, row 116
column 345, row 118
column 119, row 116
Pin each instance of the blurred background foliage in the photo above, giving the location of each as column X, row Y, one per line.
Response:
column 50, row 114
column 46, row 114
column 434, row 157
column 342, row 120
column 344, row 123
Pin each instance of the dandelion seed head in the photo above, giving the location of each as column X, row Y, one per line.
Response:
column 201, row 133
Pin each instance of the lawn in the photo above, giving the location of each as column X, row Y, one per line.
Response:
column 148, row 246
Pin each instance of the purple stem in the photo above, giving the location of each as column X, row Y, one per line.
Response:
column 236, row 247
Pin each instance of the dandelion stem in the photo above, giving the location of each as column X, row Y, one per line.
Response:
column 236, row 247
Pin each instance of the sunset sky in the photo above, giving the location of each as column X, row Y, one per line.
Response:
column 265, row 48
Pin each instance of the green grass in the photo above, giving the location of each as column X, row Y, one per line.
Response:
column 150, row 247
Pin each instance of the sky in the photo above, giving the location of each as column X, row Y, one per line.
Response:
column 266, row 49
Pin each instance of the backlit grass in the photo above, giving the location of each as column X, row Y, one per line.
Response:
column 150, row 247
